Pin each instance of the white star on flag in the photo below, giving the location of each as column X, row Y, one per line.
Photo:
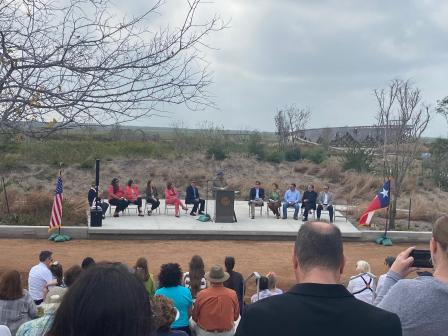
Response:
column 385, row 193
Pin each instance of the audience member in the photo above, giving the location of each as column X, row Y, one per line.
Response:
column 219, row 183
column 309, row 201
column 193, row 197
column 142, row 272
column 172, row 197
column 272, row 284
column 58, row 274
column 91, row 198
column 116, row 197
column 421, row 302
column 194, row 278
column 275, row 202
column 16, row 304
column 87, row 263
column 388, row 263
column 318, row 304
column 152, row 197
column 132, row 194
column 325, row 201
column 105, row 300
column 216, row 308
column 235, row 280
column 40, row 276
column 291, row 200
column 363, row 285
column 4, row 331
column 164, row 314
column 262, row 290
column 256, row 198
column 170, row 285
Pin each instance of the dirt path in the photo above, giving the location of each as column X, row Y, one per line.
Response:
column 250, row 256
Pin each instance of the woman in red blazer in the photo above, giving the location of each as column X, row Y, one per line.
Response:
column 133, row 196
column 172, row 197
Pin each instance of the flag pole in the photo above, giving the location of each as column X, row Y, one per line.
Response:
column 60, row 175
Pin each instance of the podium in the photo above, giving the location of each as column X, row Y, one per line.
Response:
column 225, row 206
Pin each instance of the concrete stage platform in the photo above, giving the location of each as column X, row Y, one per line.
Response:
column 157, row 226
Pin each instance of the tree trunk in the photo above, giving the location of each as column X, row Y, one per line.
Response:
column 393, row 213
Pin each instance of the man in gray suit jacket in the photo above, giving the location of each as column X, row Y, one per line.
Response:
column 325, row 202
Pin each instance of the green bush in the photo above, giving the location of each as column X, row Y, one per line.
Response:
column 292, row 154
column 274, row 156
column 315, row 154
column 359, row 159
column 216, row 152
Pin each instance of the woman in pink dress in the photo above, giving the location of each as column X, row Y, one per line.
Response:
column 172, row 197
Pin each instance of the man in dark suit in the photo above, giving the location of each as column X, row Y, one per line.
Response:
column 192, row 197
column 308, row 201
column 256, row 197
column 318, row 304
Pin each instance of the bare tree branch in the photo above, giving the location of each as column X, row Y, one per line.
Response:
column 74, row 62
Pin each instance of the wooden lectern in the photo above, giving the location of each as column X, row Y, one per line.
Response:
column 225, row 206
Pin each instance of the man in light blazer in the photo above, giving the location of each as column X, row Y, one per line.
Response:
column 325, row 202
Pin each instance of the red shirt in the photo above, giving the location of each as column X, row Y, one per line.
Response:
column 118, row 194
column 216, row 308
column 132, row 193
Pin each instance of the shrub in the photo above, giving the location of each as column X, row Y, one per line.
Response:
column 315, row 154
column 292, row 154
column 216, row 152
column 359, row 159
column 274, row 156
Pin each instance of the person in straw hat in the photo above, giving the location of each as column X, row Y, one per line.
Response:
column 216, row 308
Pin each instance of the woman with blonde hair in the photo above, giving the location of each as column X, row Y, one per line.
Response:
column 363, row 285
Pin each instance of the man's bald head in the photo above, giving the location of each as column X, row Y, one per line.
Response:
column 319, row 244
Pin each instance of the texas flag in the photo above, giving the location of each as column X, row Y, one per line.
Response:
column 380, row 201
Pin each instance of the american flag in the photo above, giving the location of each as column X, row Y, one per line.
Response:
column 56, row 212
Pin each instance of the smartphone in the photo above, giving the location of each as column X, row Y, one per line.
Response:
column 422, row 259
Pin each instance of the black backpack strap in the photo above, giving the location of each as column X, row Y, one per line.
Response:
column 367, row 287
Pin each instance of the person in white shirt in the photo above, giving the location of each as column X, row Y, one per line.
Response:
column 272, row 284
column 388, row 262
column 40, row 276
column 264, row 291
column 363, row 285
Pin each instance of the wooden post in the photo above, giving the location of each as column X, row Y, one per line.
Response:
column 409, row 213
column 6, row 195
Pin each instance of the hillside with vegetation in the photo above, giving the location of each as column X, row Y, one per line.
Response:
column 30, row 167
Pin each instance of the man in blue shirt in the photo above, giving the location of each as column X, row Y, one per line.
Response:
column 292, row 199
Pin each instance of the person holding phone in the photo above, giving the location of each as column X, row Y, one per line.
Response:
column 420, row 303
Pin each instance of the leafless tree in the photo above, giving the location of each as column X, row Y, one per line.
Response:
column 404, row 118
column 289, row 122
column 75, row 61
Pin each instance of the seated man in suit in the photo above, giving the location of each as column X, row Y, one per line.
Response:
column 193, row 197
column 256, row 198
column 91, row 198
column 325, row 202
column 318, row 304
column 291, row 199
column 308, row 201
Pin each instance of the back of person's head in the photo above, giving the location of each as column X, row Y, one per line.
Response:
column 272, row 280
column 164, row 312
column 170, row 275
column 440, row 232
column 141, row 269
column 57, row 272
column 196, row 272
column 44, row 255
column 87, row 262
column 71, row 275
column 389, row 260
column 319, row 244
column 229, row 262
column 11, row 286
column 362, row 266
column 263, row 283
column 105, row 300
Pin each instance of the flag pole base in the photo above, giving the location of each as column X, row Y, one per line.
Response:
column 384, row 240
column 59, row 238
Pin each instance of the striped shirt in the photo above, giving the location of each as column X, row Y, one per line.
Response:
column 39, row 276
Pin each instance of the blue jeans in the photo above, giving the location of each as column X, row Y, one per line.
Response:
column 286, row 206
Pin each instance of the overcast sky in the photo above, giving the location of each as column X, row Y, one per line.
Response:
column 325, row 55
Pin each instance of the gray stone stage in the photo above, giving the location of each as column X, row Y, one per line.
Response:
column 161, row 225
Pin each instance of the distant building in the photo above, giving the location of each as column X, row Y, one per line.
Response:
column 351, row 135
